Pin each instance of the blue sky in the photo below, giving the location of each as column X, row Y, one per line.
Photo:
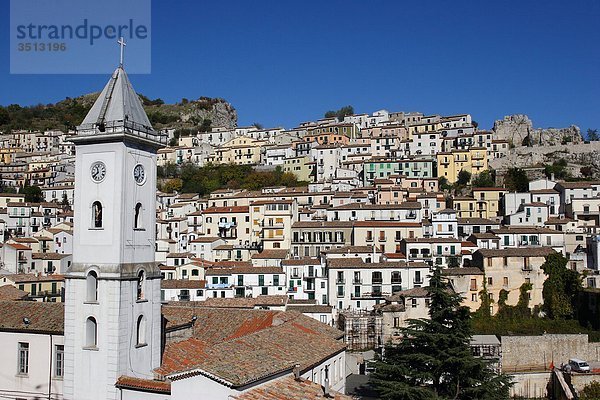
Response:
column 283, row 62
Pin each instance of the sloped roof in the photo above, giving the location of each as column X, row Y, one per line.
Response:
column 123, row 103
column 289, row 388
column 243, row 346
column 41, row 317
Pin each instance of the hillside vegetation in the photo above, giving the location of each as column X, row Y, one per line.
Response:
column 200, row 114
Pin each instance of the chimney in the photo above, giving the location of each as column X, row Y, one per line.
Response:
column 297, row 372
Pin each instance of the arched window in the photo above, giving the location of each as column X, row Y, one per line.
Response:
column 92, row 286
column 97, row 214
column 396, row 277
column 137, row 222
column 91, row 332
column 141, row 330
column 140, row 285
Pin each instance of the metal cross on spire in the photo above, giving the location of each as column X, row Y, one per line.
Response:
column 122, row 44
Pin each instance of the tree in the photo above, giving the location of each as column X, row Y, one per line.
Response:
column 592, row 135
column 463, row 178
column 561, row 288
column 434, row 360
column 258, row 125
column 172, row 185
column 206, row 125
column 33, row 194
column 65, row 202
column 484, row 179
column 516, row 180
column 443, row 183
column 591, row 391
column 586, row 171
column 341, row 113
column 558, row 169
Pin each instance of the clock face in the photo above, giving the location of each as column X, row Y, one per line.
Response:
column 139, row 174
column 98, row 171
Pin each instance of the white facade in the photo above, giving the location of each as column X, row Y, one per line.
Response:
column 112, row 312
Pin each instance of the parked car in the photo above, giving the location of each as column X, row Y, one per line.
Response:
column 578, row 365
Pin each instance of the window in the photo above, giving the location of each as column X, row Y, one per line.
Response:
column 413, row 303
column 59, row 360
column 490, row 280
column 23, row 367
column 141, row 330
column 97, row 214
column 141, row 282
column 92, row 286
column 261, row 280
column 91, row 332
column 137, row 221
column 275, row 280
column 195, row 272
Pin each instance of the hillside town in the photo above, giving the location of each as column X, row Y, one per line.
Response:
column 329, row 269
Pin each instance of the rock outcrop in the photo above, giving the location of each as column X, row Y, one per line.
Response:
column 518, row 130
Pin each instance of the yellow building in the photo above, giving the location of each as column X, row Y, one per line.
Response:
column 299, row 166
column 465, row 207
column 240, row 150
column 473, row 160
column 490, row 199
column 37, row 287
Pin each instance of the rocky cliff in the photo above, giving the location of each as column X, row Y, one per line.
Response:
column 518, row 130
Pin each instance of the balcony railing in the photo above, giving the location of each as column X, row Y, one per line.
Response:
column 340, row 281
column 377, row 281
column 356, row 281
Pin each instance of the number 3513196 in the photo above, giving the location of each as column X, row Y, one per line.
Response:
column 41, row 46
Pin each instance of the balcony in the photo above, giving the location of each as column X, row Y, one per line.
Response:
column 377, row 281
column 418, row 281
column 227, row 225
column 411, row 215
column 340, row 281
column 382, row 238
column 356, row 281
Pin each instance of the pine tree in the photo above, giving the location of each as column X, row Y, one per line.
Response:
column 434, row 361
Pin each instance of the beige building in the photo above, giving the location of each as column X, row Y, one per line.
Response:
column 508, row 269
column 468, row 282
column 240, row 150
column 301, row 167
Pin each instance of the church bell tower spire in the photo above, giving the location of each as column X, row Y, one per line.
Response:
column 113, row 308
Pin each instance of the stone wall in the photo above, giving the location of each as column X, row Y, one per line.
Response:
column 530, row 385
column 536, row 353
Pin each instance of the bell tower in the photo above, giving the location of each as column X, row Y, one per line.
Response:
column 113, row 308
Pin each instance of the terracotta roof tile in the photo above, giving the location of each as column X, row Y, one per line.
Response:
column 32, row 316
column 145, row 385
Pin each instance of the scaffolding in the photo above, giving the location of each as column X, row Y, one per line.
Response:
column 363, row 330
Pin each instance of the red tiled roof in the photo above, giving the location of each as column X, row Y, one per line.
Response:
column 9, row 292
column 243, row 346
column 32, row 316
column 144, row 385
column 289, row 388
